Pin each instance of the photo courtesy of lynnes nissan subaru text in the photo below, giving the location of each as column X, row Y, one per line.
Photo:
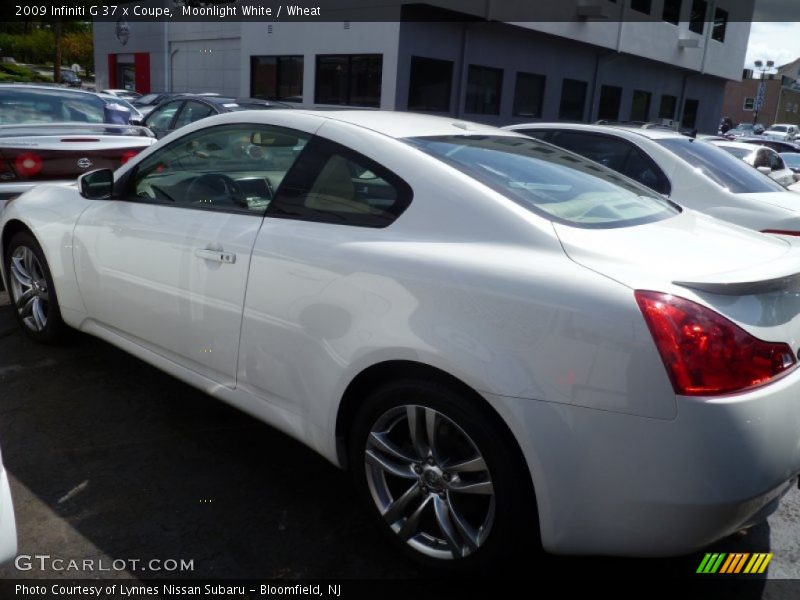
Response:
column 504, row 342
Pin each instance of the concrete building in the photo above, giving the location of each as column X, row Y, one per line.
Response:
column 671, row 63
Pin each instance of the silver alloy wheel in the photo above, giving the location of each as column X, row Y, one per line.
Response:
column 430, row 482
column 29, row 288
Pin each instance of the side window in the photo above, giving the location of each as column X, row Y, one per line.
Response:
column 161, row 117
column 333, row 184
column 616, row 154
column 229, row 168
column 193, row 111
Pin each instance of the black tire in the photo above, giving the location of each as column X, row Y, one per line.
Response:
column 54, row 329
column 513, row 534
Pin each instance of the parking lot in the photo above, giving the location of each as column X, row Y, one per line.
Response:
column 111, row 459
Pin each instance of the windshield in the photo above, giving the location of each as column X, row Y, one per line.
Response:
column 720, row 167
column 146, row 99
column 554, row 183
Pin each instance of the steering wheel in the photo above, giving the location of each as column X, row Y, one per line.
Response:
column 216, row 189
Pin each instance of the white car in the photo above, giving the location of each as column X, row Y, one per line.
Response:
column 766, row 160
column 504, row 342
column 692, row 172
column 785, row 132
column 8, row 528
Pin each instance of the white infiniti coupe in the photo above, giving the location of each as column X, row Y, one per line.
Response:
column 504, row 342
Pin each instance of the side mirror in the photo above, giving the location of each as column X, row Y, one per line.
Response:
column 136, row 121
column 97, row 185
column 764, row 170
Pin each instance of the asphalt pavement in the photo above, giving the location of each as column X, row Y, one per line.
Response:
column 110, row 459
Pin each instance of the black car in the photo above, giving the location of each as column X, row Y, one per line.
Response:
column 176, row 112
column 145, row 104
column 70, row 78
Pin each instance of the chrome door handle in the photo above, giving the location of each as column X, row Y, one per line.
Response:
column 216, row 255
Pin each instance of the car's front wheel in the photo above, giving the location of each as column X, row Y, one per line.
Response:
column 31, row 289
column 442, row 477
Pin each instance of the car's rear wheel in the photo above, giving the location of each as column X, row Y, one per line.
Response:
column 31, row 290
column 441, row 475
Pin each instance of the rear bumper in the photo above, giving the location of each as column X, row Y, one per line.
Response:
column 609, row 483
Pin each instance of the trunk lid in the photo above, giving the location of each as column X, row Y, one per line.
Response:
column 752, row 279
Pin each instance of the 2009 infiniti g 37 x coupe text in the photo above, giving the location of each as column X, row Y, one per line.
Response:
column 498, row 337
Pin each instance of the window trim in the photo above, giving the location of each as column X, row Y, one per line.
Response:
column 527, row 74
column 501, row 81
column 327, row 148
column 752, row 104
column 349, row 58
column 430, row 59
column 277, row 57
column 123, row 187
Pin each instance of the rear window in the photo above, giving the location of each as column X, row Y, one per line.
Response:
column 48, row 106
column 550, row 181
column 720, row 167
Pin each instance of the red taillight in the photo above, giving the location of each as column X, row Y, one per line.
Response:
column 126, row 156
column 28, row 164
column 780, row 232
column 706, row 354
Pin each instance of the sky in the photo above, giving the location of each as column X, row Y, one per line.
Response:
column 773, row 41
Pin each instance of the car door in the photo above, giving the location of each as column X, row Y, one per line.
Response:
column 305, row 302
column 166, row 264
column 160, row 119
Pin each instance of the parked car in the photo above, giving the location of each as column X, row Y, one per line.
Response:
column 8, row 528
column 148, row 102
column 776, row 145
column 792, row 160
column 766, row 160
column 180, row 111
column 121, row 93
column 54, row 134
column 70, row 78
column 504, row 341
column 784, row 132
column 745, row 130
column 692, row 172
column 135, row 115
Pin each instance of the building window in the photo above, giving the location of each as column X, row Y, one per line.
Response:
column 277, row 78
column 690, row 108
column 720, row 24
column 749, row 103
column 573, row 100
column 640, row 107
column 484, row 85
column 667, row 108
column 642, row 6
column 349, row 79
column 430, row 84
column 529, row 95
column 697, row 18
column 672, row 11
column 610, row 99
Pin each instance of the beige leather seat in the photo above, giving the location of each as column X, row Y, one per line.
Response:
column 333, row 190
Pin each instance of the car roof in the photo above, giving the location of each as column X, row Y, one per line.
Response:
column 404, row 124
column 653, row 134
column 48, row 88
